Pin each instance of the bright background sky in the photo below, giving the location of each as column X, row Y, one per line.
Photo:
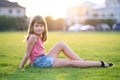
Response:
column 54, row 8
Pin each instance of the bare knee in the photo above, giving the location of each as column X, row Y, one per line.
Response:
column 61, row 44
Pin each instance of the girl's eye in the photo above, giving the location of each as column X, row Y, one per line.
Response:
column 36, row 25
column 41, row 25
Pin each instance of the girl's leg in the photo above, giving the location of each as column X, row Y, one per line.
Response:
column 61, row 46
column 76, row 63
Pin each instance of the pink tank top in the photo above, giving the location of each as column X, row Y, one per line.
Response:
column 38, row 49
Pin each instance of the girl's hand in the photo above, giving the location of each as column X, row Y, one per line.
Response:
column 20, row 67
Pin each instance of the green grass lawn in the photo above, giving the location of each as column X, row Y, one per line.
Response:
column 94, row 46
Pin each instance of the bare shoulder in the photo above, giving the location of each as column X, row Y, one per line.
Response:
column 33, row 37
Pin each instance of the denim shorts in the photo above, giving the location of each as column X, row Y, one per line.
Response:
column 43, row 62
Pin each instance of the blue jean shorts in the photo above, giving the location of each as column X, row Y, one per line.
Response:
column 43, row 62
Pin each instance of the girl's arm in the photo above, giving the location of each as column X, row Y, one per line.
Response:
column 30, row 43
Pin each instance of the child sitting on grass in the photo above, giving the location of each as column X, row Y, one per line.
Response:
column 35, row 52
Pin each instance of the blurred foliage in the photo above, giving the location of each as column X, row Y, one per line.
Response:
column 50, row 22
column 16, row 23
column 12, row 23
column 58, row 24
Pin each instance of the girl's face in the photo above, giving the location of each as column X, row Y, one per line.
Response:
column 38, row 28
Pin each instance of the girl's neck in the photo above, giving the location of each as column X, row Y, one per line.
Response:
column 38, row 35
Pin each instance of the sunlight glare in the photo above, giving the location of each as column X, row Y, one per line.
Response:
column 54, row 8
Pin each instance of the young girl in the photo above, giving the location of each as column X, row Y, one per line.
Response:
column 35, row 52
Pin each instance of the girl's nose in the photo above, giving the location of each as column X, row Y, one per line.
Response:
column 39, row 27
